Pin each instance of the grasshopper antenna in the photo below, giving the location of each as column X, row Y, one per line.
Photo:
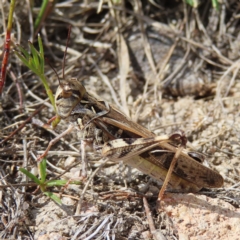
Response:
column 65, row 53
column 51, row 66
column 64, row 57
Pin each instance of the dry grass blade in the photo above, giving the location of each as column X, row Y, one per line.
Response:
column 124, row 63
column 157, row 235
column 22, row 125
column 106, row 81
column 79, row 206
column 224, row 81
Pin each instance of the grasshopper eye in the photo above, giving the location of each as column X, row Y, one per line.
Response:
column 68, row 95
column 196, row 156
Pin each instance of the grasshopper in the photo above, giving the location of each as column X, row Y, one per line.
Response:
column 127, row 141
column 124, row 140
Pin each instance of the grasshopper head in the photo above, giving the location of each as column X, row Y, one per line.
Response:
column 70, row 92
column 68, row 95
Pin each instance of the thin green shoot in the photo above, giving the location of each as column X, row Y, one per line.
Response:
column 43, row 184
column 35, row 62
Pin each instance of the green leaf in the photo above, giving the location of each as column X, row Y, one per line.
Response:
column 43, row 170
column 53, row 197
column 41, row 51
column 30, row 175
column 30, row 63
column 193, row 3
column 35, row 57
column 23, row 51
column 215, row 4
column 22, row 58
column 53, row 183
column 76, row 182
column 44, row 11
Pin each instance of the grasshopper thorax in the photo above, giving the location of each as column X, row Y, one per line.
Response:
column 68, row 95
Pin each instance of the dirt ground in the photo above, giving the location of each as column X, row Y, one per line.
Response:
column 167, row 66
